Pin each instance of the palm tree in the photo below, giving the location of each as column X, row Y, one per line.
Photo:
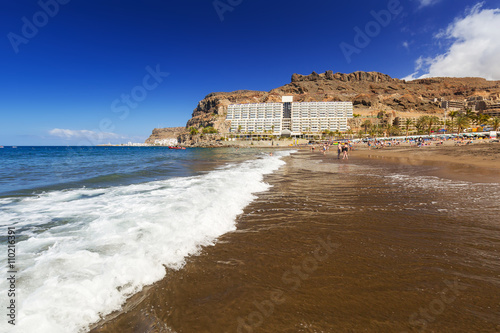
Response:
column 452, row 115
column 326, row 133
column 377, row 130
column 394, row 131
column 421, row 123
column 384, row 129
column 469, row 114
column 448, row 124
column 482, row 119
column 366, row 124
column 337, row 133
column 479, row 119
column 387, row 129
column 462, row 122
column 474, row 118
column 495, row 122
column 408, row 123
column 431, row 121
column 381, row 130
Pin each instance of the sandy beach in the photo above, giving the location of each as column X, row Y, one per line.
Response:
column 481, row 154
column 400, row 239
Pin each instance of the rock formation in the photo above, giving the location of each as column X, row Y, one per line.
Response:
column 165, row 133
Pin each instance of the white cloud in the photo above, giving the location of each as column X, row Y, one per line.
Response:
column 474, row 50
column 420, row 63
column 411, row 77
column 426, row 3
column 90, row 136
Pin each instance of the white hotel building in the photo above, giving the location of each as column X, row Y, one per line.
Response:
column 288, row 117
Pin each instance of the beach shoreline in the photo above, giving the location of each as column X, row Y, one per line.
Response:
column 367, row 279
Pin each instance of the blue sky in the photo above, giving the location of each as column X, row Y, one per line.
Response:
column 88, row 72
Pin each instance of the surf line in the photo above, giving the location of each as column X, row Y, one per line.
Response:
column 11, row 275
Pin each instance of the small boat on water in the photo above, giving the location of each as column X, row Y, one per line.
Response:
column 172, row 147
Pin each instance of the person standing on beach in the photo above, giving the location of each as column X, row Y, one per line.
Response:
column 345, row 148
column 339, row 150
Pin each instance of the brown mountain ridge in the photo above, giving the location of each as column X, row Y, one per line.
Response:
column 369, row 91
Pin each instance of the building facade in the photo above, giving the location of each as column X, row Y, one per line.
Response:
column 492, row 110
column 453, row 105
column 289, row 118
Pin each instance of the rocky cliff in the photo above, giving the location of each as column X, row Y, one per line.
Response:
column 369, row 91
column 353, row 77
column 165, row 133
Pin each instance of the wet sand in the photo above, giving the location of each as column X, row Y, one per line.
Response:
column 365, row 245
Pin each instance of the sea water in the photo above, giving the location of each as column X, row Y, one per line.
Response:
column 91, row 226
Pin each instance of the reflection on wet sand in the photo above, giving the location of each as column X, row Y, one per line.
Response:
column 335, row 246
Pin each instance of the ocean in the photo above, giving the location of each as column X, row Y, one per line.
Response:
column 91, row 226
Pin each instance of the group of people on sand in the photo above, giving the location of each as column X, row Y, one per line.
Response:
column 342, row 149
column 418, row 142
column 463, row 142
column 379, row 144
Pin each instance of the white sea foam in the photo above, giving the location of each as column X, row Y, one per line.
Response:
column 89, row 249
